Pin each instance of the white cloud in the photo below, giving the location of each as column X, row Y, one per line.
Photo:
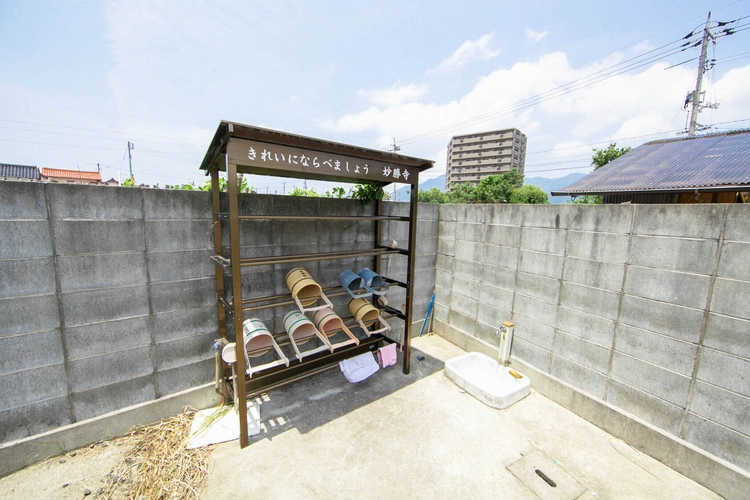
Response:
column 564, row 127
column 535, row 35
column 469, row 51
column 393, row 96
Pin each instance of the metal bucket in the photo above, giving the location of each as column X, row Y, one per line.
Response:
column 299, row 328
column 363, row 311
column 302, row 286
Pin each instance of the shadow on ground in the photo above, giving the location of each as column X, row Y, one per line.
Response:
column 317, row 400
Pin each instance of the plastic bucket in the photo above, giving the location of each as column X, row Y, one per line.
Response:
column 373, row 281
column 298, row 326
column 363, row 311
column 328, row 322
column 354, row 285
column 302, row 286
column 256, row 336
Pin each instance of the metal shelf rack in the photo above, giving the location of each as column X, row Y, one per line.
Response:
column 242, row 149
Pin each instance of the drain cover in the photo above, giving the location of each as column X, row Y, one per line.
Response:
column 545, row 478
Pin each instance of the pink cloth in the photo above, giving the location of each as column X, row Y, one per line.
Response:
column 387, row 355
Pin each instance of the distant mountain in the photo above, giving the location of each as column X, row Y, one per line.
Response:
column 547, row 185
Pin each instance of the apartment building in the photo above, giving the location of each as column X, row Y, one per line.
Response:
column 473, row 157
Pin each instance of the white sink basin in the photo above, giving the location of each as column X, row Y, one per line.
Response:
column 488, row 381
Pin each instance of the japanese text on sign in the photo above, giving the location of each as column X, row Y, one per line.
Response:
column 274, row 155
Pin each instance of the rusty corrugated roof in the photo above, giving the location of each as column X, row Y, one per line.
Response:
column 715, row 161
column 78, row 175
column 19, row 171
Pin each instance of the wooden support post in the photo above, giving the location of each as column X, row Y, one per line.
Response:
column 234, row 231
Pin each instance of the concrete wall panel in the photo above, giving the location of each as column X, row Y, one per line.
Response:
column 725, row 370
column 591, row 300
column 667, row 352
column 507, row 236
column 85, row 272
column 31, row 350
column 727, row 334
column 104, row 399
column 92, row 202
column 718, row 440
column 585, row 353
column 736, row 224
column 674, row 254
column 89, row 237
column 22, row 421
column 25, row 239
column 602, row 218
column 109, row 368
column 587, row 380
column 650, row 378
column 543, row 264
column 676, row 321
column 508, row 215
column 33, row 385
column 731, row 298
column 539, row 287
column 598, row 246
column 96, row 306
column 650, row 408
column 593, row 273
column 549, row 216
column 543, row 240
column 540, row 311
column 587, row 326
column 532, row 331
column 682, row 221
column 19, row 277
column 735, row 261
column 100, row 338
column 22, row 200
column 721, row 406
column 28, row 314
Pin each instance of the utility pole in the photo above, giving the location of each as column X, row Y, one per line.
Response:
column 131, row 147
column 696, row 96
column 394, row 148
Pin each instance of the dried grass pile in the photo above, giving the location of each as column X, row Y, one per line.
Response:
column 160, row 467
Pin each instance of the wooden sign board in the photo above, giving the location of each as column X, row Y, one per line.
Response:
column 262, row 156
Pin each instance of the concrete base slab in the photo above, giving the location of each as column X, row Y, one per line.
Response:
column 420, row 436
column 546, row 478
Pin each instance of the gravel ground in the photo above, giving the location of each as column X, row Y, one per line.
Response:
column 96, row 471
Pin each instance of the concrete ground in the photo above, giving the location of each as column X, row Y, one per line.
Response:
column 420, row 436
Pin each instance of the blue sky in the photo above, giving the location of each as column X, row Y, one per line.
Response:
column 81, row 79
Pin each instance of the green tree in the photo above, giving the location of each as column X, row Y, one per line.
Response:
column 337, row 192
column 498, row 188
column 461, row 193
column 304, row 192
column 129, row 182
column 605, row 155
column 434, row 195
column 244, row 186
column 367, row 192
column 529, row 194
column 600, row 158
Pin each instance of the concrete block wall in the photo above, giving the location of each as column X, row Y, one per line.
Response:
column 642, row 306
column 107, row 295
